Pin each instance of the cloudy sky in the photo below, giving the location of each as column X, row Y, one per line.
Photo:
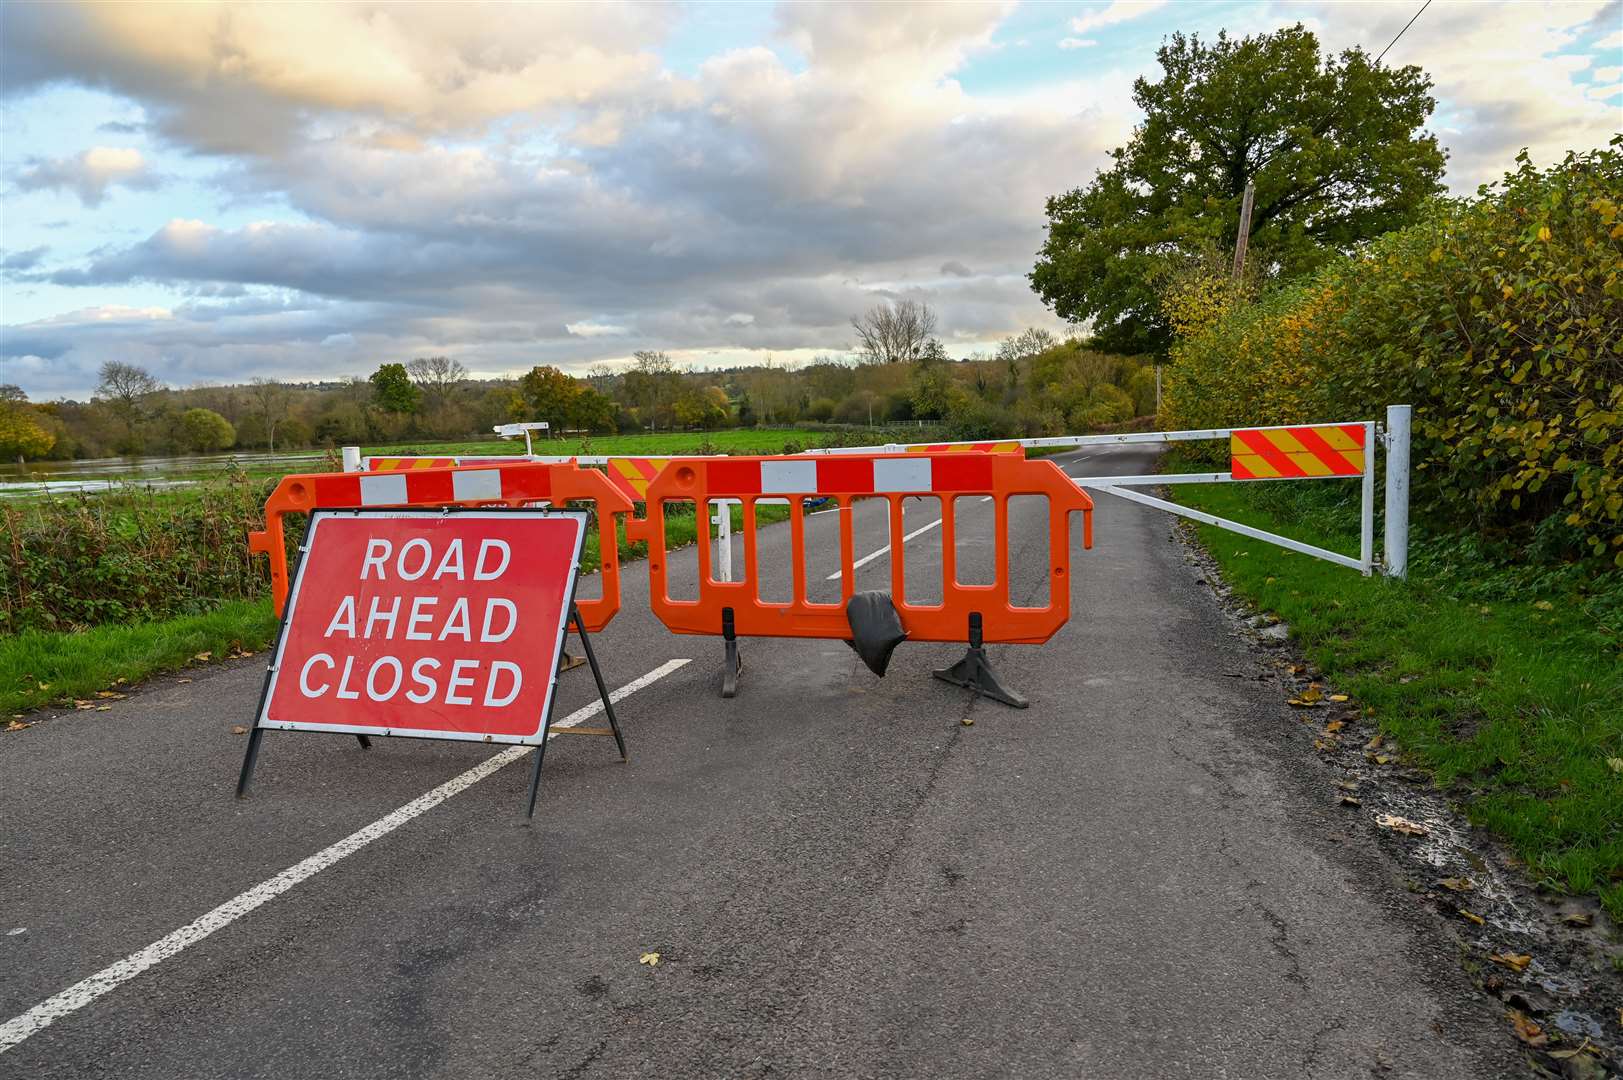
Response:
column 218, row 191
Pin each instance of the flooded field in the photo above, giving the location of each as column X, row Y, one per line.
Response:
column 103, row 474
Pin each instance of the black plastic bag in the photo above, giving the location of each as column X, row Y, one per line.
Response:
column 876, row 629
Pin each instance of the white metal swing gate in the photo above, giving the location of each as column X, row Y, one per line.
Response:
column 1287, row 452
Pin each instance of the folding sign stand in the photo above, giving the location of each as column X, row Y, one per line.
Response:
column 608, row 707
column 498, row 586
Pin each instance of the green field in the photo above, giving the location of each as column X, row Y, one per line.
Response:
column 1500, row 678
column 730, row 441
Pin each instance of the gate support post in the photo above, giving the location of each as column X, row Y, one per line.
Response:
column 1395, row 545
column 975, row 673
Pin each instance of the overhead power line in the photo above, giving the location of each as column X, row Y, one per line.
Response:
column 1405, row 29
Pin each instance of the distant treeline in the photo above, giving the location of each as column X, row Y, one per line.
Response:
column 1033, row 384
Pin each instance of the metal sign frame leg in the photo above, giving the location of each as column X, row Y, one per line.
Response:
column 546, row 729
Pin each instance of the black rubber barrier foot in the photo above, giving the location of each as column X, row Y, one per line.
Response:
column 974, row 672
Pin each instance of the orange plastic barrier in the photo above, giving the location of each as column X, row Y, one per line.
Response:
column 734, row 608
column 510, row 484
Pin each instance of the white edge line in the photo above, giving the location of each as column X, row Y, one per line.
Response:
column 84, row 992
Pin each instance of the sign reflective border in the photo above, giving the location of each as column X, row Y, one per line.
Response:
column 427, row 623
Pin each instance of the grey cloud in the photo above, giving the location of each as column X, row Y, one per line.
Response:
column 26, row 259
column 956, row 269
column 89, row 175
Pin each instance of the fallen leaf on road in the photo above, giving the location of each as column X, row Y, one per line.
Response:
column 1400, row 824
column 84, row 706
column 968, row 721
column 183, row 680
column 1338, row 697
column 1457, row 884
column 1334, row 726
column 1375, row 743
column 1578, row 918
column 649, row 958
column 1312, row 693
column 1350, row 800
column 1514, row 961
column 202, row 656
column 1527, row 1031
column 238, row 729
column 1383, row 759
column 16, row 725
column 103, row 708
column 1471, row 916
column 110, row 694
column 1347, row 785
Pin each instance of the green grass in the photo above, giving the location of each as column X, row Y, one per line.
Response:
column 39, row 668
column 730, row 441
column 1504, row 678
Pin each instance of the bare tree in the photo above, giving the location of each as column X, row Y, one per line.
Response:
column 125, row 388
column 271, row 400
column 893, row 332
column 437, row 377
column 650, row 375
column 1029, row 342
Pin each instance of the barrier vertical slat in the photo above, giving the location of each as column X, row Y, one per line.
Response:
column 949, row 546
column 751, row 556
column 898, row 567
column 848, row 546
column 797, row 542
column 1000, row 549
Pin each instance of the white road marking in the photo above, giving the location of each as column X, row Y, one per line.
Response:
column 82, row 993
column 866, row 559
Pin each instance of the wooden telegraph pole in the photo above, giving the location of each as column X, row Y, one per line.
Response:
column 1245, row 229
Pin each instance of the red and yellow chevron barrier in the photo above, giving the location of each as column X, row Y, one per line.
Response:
column 632, row 475
column 1296, row 453
column 401, row 464
column 1009, row 447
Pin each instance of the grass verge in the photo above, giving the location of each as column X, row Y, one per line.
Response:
column 1504, row 679
column 39, row 668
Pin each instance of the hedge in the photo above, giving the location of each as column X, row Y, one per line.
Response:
column 1500, row 318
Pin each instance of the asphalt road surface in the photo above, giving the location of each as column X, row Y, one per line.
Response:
column 1145, row 874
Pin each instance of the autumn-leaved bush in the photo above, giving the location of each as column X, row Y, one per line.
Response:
column 1499, row 318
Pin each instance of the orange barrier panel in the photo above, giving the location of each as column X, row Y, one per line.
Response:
column 509, row 484
column 842, row 478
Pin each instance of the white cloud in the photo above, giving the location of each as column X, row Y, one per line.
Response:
column 1117, row 11
column 238, row 78
column 592, row 330
column 1608, row 74
column 1077, row 43
column 90, row 174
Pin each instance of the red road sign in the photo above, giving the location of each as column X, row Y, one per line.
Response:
column 426, row 623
